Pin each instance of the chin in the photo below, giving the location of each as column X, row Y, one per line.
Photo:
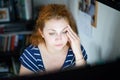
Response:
column 59, row 47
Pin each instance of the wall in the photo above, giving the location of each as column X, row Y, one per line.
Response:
column 108, row 29
column 103, row 45
column 38, row 3
column 73, row 6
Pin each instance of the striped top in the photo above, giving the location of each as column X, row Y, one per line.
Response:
column 32, row 59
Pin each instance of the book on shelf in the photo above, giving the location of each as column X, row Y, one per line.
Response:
column 9, row 43
column 5, row 43
column 6, row 28
column 4, row 67
column 4, row 3
column 18, row 9
column 11, row 10
column 14, row 42
column 23, row 9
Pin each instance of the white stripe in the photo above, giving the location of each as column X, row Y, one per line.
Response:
column 36, row 54
column 40, row 65
column 39, row 59
column 72, row 59
column 66, row 66
column 30, row 55
column 83, row 50
column 30, row 61
column 69, row 55
column 27, row 64
column 85, row 55
column 70, row 49
column 73, row 63
column 30, row 45
column 68, row 61
column 34, row 48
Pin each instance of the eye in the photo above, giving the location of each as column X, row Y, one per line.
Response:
column 64, row 32
column 51, row 33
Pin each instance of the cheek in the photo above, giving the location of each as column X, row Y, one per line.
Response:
column 48, row 39
column 65, row 38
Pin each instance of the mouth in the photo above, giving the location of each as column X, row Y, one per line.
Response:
column 58, row 45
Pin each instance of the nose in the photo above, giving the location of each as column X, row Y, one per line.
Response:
column 58, row 37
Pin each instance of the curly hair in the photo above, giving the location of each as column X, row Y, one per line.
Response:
column 47, row 12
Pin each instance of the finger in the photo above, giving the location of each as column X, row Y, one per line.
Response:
column 72, row 32
column 70, row 39
column 70, row 36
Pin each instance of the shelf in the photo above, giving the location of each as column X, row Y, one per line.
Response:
column 18, row 22
column 9, row 54
column 6, row 75
column 17, row 26
column 16, row 33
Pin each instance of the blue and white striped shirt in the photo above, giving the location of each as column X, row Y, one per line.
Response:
column 32, row 60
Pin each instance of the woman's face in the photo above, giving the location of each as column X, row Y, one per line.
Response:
column 54, row 33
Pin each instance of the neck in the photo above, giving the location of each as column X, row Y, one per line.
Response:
column 53, row 51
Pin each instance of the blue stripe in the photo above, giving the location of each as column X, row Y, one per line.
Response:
column 32, row 63
column 24, row 63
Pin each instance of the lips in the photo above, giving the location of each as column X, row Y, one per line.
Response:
column 58, row 44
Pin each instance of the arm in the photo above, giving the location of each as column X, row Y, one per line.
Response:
column 24, row 71
column 74, row 41
column 28, row 61
column 80, row 61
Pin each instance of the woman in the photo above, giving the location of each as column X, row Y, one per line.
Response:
column 55, row 45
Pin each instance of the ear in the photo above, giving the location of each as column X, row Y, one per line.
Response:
column 41, row 32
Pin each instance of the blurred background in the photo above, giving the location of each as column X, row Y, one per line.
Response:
column 98, row 25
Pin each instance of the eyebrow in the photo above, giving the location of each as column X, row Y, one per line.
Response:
column 55, row 30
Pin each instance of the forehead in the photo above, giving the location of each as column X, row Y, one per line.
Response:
column 56, row 24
